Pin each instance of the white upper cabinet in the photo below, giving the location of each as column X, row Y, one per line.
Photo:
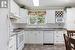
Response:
column 14, row 8
column 23, row 15
column 70, row 15
column 50, row 16
column 70, row 19
column 18, row 13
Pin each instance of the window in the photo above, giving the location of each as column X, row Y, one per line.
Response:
column 37, row 17
column 59, row 16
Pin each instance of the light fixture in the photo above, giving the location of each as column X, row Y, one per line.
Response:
column 36, row 2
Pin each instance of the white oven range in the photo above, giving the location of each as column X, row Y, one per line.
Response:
column 20, row 40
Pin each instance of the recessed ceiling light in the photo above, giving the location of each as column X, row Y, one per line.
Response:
column 36, row 2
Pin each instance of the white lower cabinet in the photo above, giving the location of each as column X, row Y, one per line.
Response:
column 58, row 37
column 34, row 37
column 26, row 37
column 40, row 37
column 48, row 37
column 31, row 37
column 12, row 43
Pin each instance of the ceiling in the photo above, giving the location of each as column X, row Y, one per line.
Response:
column 47, row 3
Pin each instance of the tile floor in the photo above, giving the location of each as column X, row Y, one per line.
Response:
column 44, row 47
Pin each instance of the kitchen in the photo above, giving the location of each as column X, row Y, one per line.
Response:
column 38, row 26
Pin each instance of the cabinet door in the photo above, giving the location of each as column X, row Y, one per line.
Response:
column 58, row 37
column 14, row 8
column 70, row 19
column 48, row 36
column 70, row 15
column 31, row 38
column 26, row 36
column 22, row 34
column 39, row 37
column 50, row 16
column 34, row 37
column 23, row 15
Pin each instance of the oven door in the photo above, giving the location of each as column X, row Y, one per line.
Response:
column 20, row 39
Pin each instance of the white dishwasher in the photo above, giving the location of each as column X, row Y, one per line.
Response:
column 48, row 37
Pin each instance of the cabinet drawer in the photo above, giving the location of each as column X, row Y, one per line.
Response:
column 59, row 38
column 12, row 47
column 12, row 41
column 59, row 42
column 59, row 34
column 21, row 47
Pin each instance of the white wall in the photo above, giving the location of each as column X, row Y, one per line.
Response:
column 3, row 29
